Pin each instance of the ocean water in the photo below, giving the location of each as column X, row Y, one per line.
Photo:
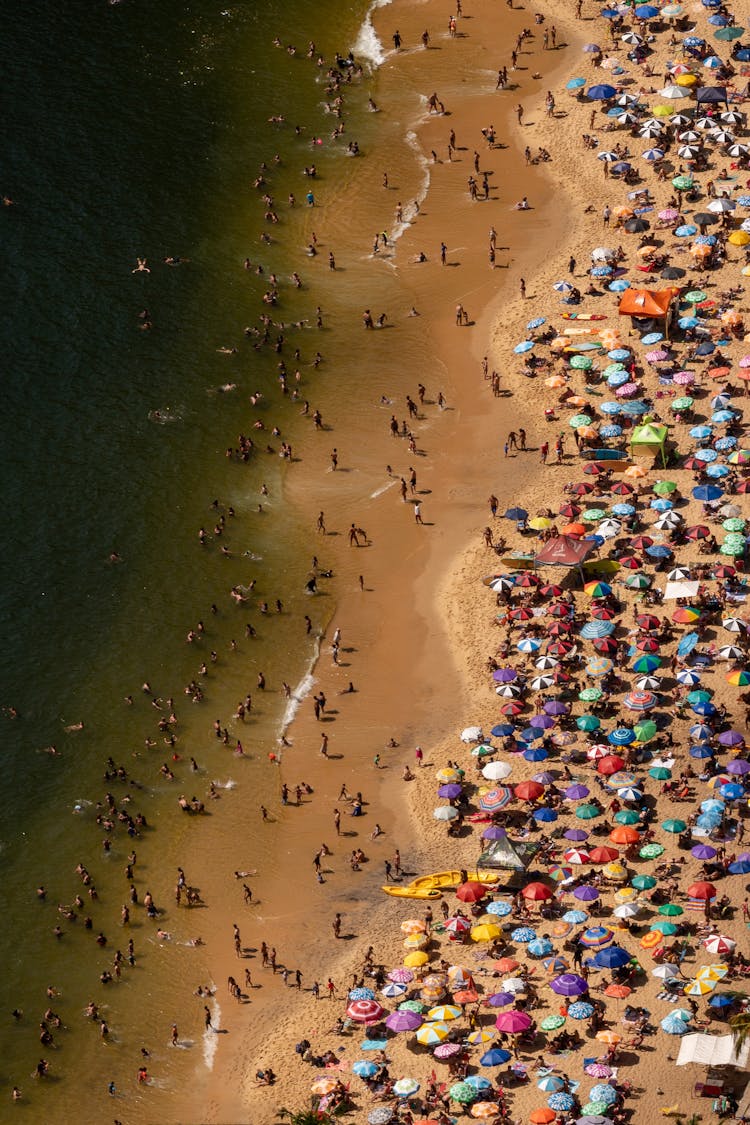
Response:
column 137, row 130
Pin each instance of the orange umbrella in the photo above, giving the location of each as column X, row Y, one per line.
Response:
column 651, row 939
column 555, row 381
column 608, row 1036
column 506, row 965
column 619, row 991
column 624, row 834
column 465, row 996
column 635, row 471
column 574, row 529
column 542, row 1116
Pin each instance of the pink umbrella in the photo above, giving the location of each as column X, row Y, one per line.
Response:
column 745, row 361
column 627, row 389
column 668, row 215
column 657, row 356
column 446, row 1050
column 401, row 976
column 598, row 1070
column 513, row 1022
column 684, row 378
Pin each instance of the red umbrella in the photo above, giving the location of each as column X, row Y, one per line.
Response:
column 528, row 580
column 529, row 790
column 648, row 621
column 559, row 676
column 699, row 890
column 582, row 489
column 365, row 1011
column 630, row 562
column 603, row 855
column 559, row 648
column 647, row 644
column 512, row 708
column 592, row 469
column 471, row 891
column 743, row 486
column 693, row 463
column 641, row 542
column 550, row 591
column 521, row 613
column 698, row 531
column 558, row 628
column 621, row 488
column 603, row 613
column 561, row 609
column 724, row 571
column 536, row 892
column 570, row 511
column 613, row 763
column 605, row 644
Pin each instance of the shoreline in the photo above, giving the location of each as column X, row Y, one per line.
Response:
column 434, row 562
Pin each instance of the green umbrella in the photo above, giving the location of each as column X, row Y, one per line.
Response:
column 644, row 732
column 613, row 369
column 666, row 928
column 660, row 773
column 588, row 722
column 627, row 816
column 643, row 882
column 579, row 420
column 597, row 1109
column 590, row 695
column 463, row 1093
column 734, row 549
column 591, row 515
column 694, row 297
column 588, row 812
column 671, row 910
column 734, row 524
column 412, row 1006
column 682, row 183
column 683, row 403
column 482, row 751
column 664, row 487
column 700, row 696
column 674, row 826
column 651, row 851
column 726, row 34
column 551, row 1023
column 638, row 581
column 581, row 362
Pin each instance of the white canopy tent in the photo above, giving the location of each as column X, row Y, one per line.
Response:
column 711, row 1050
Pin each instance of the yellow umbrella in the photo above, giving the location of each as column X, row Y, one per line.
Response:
column 415, row 959
column 430, row 1033
column 446, row 775
column 712, row 972
column 686, row 80
column 444, row 1012
column 413, row 926
column 615, row 871
column 323, row 1086
column 662, row 111
column 626, row 894
column 539, row 523
column 432, row 994
column 699, row 987
column 416, row 941
column 476, row 1038
column 587, row 431
column 485, row 932
column 739, row 238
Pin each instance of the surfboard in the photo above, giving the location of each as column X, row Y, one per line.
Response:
column 583, row 316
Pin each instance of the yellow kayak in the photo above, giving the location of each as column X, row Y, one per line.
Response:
column 430, row 886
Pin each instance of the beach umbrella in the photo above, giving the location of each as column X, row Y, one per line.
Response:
column 463, row 1093
column 514, row 1021
column 431, row 1033
column 542, row 1116
column 381, row 1115
column 523, row 934
column 496, row 1056
column 567, row 984
column 365, row 1011
column 673, row 1025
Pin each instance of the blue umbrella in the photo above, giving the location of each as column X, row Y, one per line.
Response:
column 686, row 230
column 501, row 909
column 361, row 994
column 661, row 505
column 739, row 867
column 701, row 732
column 623, row 509
column 617, row 378
column 652, row 338
column 722, row 416
column 687, row 644
column 725, row 443
column 706, row 455
column 620, row 354
column 546, row 816
column 693, row 41
column 581, row 1010
column 619, row 285
column 478, row 1081
column 610, row 431
column 659, row 551
column 700, row 432
column 575, row 917
column 601, row 92
column 602, row 271
column 516, row 514
column 537, row 755
column 621, row 736
column 596, row 629
column 575, row 83
column 673, row 1025
column 706, row 348
column 717, row 471
column 502, row 730
column 706, row 709
column 646, row 11
column 707, row 492
column 496, row 1056
column 536, row 322
column 524, row 934
column 540, row 947
column 688, row 322
column 701, row 751
column 524, row 346
column 612, row 958
column 561, row 1101
column 611, row 408
column 732, row 792
column 604, row 1093
column 635, row 407
column 720, row 999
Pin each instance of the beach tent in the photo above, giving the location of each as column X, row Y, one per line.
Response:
column 649, row 304
column 651, row 435
column 564, row 550
column 711, row 1050
column 711, row 95
column 511, row 855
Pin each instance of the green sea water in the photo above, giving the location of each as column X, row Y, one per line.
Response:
column 137, row 130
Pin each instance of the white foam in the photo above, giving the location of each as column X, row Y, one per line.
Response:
column 301, row 692
column 383, row 488
column 367, row 45
column 210, row 1038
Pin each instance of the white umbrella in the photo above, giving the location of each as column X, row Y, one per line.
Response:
column 472, row 734
column 704, row 123
column 721, row 136
column 650, row 132
column 688, row 152
column 609, row 528
column 730, row 652
column 732, row 117
column 627, row 910
column 678, row 574
column 728, row 510
column 738, row 150
column 674, row 92
column 654, row 122
column 665, row 972
column 627, row 119
column 513, row 984
column 496, row 771
column 668, row 521
column 541, row 683
column 733, row 624
column 545, row 662
column 445, row 812
column 681, row 119
column 648, row 683
column 507, row 691
column 634, row 40
column 689, row 135
column 608, row 157
column 603, row 254
column 716, row 206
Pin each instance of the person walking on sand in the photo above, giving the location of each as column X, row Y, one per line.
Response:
column 519, row 113
column 418, row 513
column 419, row 755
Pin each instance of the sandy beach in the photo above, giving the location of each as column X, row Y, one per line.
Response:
column 418, row 629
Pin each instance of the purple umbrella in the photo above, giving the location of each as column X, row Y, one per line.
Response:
column 576, row 834
column 569, row 984
column 403, row 1020
column 555, row 707
column 739, row 765
column 542, row 722
column 703, row 851
column 504, row 675
column 731, row 738
column 586, row 893
column 500, row 999
column 494, row 832
column 577, row 792
column 449, row 791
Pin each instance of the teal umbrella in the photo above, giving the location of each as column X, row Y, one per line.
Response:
column 581, row 362
column 579, row 420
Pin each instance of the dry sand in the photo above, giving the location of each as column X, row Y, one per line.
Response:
column 416, row 640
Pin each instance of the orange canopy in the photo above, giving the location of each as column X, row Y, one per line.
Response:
column 647, row 302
